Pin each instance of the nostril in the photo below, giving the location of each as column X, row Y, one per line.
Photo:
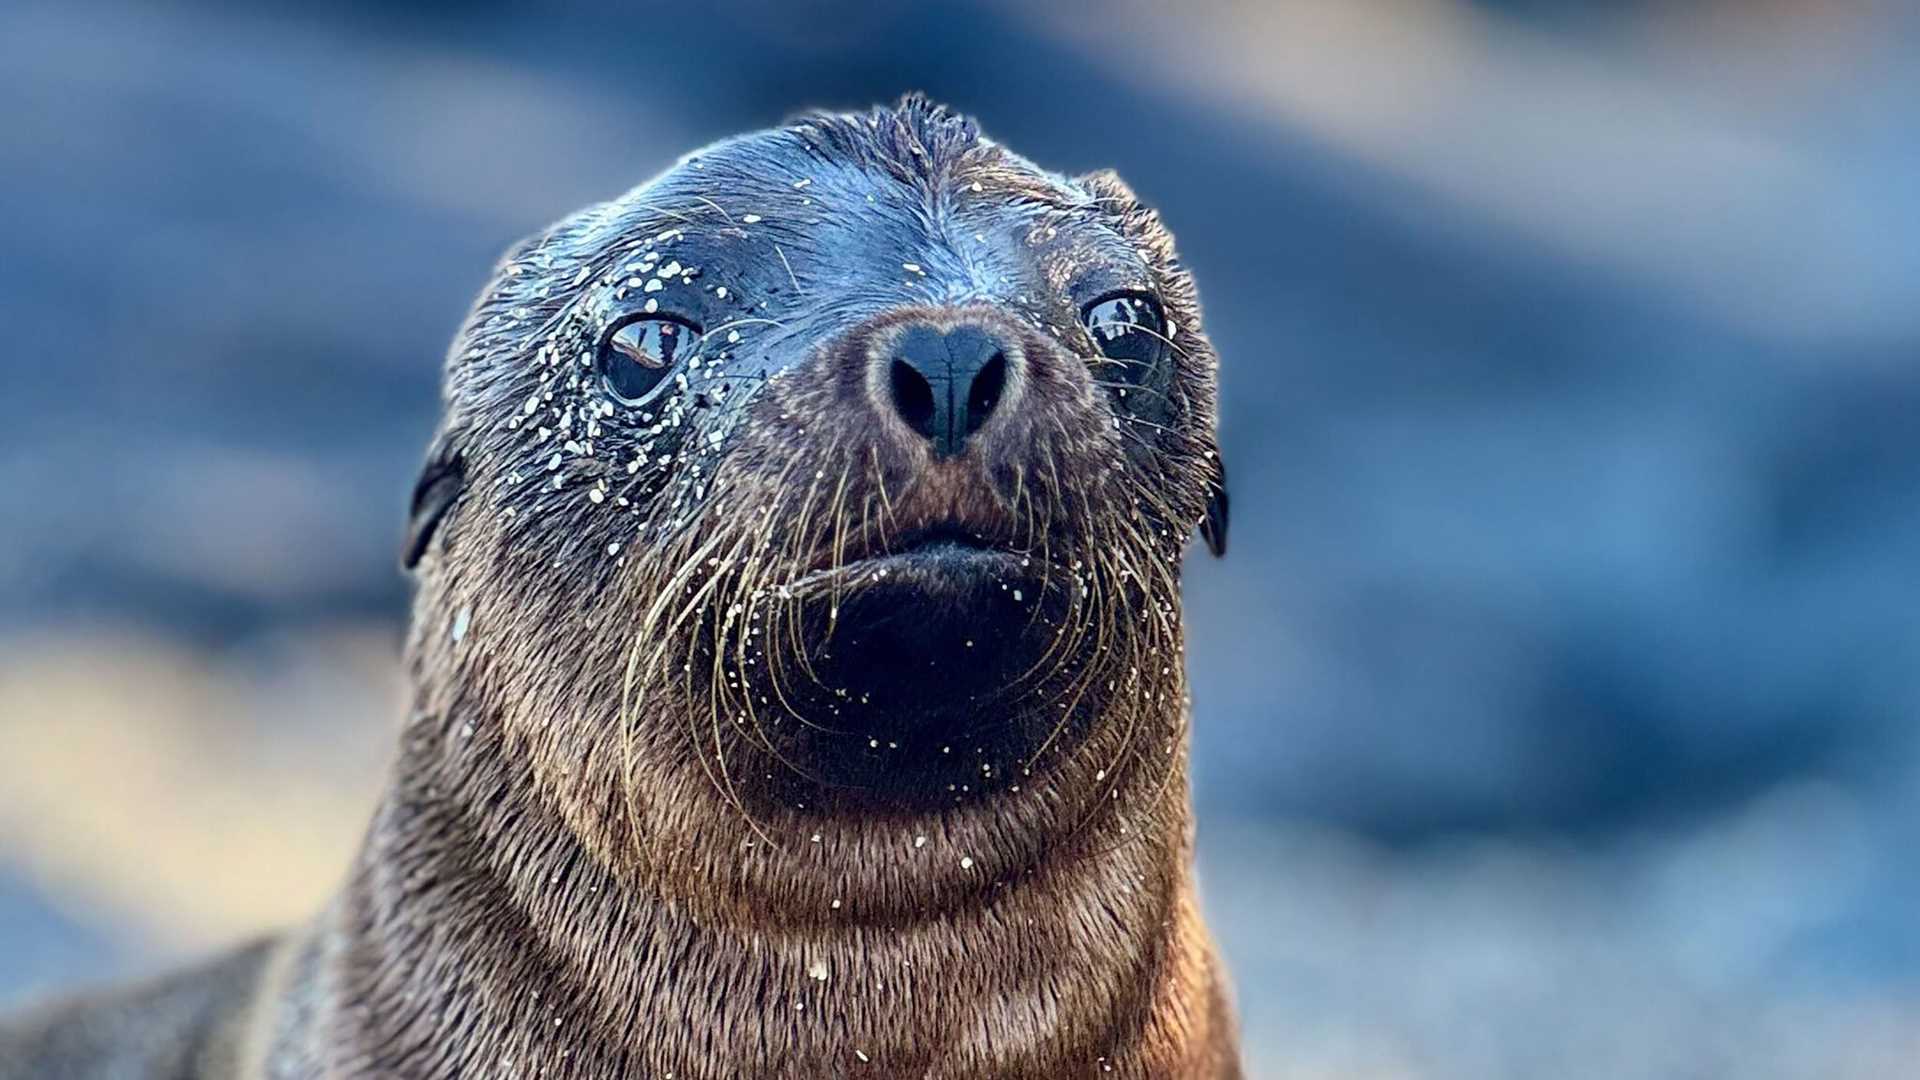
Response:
column 913, row 398
column 943, row 383
column 985, row 391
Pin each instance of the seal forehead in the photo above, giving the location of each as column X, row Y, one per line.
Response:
column 852, row 214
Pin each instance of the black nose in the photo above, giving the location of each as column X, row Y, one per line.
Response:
column 946, row 384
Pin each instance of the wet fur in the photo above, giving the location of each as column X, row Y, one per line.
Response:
column 605, row 850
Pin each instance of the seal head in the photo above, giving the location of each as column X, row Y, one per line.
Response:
column 846, row 463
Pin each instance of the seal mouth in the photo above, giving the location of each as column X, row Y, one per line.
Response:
column 936, row 536
column 941, row 548
column 937, row 558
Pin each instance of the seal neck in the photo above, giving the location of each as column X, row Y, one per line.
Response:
column 477, row 930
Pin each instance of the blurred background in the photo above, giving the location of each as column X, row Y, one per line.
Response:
column 1555, row 707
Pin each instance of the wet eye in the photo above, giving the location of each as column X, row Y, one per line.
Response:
column 636, row 358
column 1130, row 332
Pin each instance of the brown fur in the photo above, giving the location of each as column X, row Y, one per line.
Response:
column 602, row 853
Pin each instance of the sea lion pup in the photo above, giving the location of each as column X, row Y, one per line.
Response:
column 797, row 671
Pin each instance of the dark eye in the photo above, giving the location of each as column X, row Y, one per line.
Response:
column 638, row 355
column 1130, row 332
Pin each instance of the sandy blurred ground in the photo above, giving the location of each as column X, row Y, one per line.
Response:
column 184, row 799
column 1556, row 710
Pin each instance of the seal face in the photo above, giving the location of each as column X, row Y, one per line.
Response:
column 872, row 440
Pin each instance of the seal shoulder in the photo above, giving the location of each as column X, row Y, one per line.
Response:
column 192, row 1023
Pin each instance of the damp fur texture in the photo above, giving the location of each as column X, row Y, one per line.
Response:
column 648, row 815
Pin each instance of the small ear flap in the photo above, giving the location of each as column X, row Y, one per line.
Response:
column 1213, row 527
column 441, row 482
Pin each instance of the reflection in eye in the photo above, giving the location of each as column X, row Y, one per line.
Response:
column 1128, row 330
column 637, row 356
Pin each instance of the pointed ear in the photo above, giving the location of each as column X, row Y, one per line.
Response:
column 442, row 480
column 1213, row 526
